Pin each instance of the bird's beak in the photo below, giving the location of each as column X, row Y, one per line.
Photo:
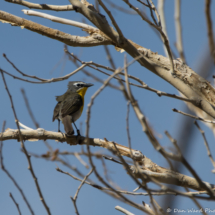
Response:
column 88, row 85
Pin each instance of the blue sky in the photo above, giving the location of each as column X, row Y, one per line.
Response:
column 38, row 55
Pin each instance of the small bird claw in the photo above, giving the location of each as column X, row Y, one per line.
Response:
column 79, row 139
column 70, row 133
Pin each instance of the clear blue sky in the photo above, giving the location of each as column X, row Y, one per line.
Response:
column 38, row 55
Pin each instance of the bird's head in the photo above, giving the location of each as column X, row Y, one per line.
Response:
column 78, row 86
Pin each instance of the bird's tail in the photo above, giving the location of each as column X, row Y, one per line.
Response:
column 68, row 125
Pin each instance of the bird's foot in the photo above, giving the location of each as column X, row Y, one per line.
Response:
column 70, row 133
column 79, row 139
column 78, row 133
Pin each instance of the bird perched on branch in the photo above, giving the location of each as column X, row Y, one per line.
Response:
column 70, row 106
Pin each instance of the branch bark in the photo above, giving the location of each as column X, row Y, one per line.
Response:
column 146, row 166
column 93, row 40
column 42, row 6
column 184, row 79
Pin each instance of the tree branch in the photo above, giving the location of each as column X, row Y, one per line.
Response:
column 93, row 40
column 147, row 167
column 42, row 6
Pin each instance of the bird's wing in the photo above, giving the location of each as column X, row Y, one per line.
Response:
column 71, row 105
column 57, row 107
column 56, row 111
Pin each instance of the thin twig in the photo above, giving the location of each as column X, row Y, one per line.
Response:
column 81, row 160
column 210, row 28
column 11, row 177
column 158, row 147
column 76, row 194
column 51, row 157
column 153, row 8
column 194, row 117
column 24, row 149
column 121, row 37
column 109, row 57
column 123, row 210
column 163, row 33
column 197, row 203
column 178, row 28
column 143, row 85
column 107, row 190
column 144, row 179
column 42, row 81
column 160, row 175
column 129, row 98
column 61, row 20
column 160, row 6
column 75, row 60
column 83, row 181
column 193, row 172
column 32, row 118
column 42, row 6
column 158, row 192
column 88, row 148
column 157, row 27
column 121, row 9
column 17, row 205
column 144, row 123
column 127, row 124
column 206, row 145
column 19, row 71
column 143, row 3
column 29, row 109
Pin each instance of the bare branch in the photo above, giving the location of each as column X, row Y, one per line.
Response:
column 197, row 203
column 179, row 43
column 81, row 160
column 119, row 8
column 196, row 89
column 153, row 170
column 41, row 134
column 87, row 28
column 76, row 194
column 17, row 205
column 109, row 57
column 10, row 176
column 210, row 28
column 19, row 71
column 185, row 80
column 160, row 192
column 83, row 181
column 206, row 145
column 142, row 84
column 24, row 149
column 195, row 117
column 162, row 30
column 29, row 109
column 160, row 6
column 123, row 210
column 193, row 172
column 121, row 37
column 156, row 144
column 43, row 81
column 93, row 40
column 157, row 26
column 42, row 6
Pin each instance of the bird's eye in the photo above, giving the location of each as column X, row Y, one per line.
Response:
column 78, row 85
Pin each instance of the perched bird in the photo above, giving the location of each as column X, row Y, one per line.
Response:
column 70, row 106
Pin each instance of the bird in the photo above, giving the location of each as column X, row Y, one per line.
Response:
column 70, row 106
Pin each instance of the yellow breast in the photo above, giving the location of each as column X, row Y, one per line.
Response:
column 82, row 92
